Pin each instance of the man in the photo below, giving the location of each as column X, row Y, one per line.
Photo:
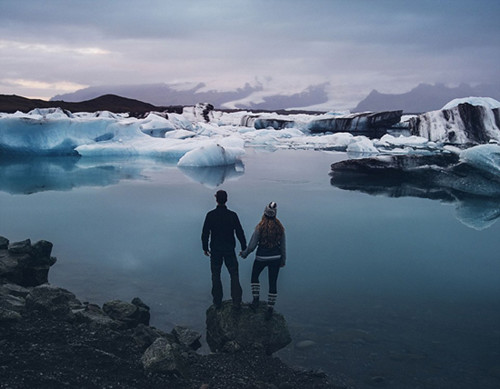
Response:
column 221, row 225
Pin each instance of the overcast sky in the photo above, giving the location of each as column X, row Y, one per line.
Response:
column 57, row 46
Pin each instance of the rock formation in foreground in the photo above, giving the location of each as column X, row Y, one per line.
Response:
column 49, row 338
column 230, row 331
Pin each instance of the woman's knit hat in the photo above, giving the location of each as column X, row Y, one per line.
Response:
column 271, row 209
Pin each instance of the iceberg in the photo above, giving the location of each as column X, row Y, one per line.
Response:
column 184, row 138
column 483, row 157
column 474, row 120
column 487, row 102
column 211, row 155
column 470, row 179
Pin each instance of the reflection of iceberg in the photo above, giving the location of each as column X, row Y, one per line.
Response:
column 471, row 180
column 213, row 176
column 478, row 213
column 31, row 175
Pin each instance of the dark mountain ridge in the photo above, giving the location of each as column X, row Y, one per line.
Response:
column 161, row 94
column 424, row 98
column 109, row 102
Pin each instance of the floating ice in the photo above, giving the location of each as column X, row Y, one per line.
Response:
column 211, row 155
column 458, row 123
column 362, row 145
column 483, row 157
column 487, row 102
column 171, row 136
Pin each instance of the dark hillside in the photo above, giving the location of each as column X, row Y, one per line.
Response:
column 113, row 103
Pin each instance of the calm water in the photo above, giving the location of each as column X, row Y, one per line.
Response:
column 394, row 292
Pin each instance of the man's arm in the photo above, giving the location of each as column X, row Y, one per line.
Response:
column 205, row 233
column 240, row 234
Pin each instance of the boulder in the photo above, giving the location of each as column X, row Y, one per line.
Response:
column 52, row 301
column 94, row 316
column 12, row 303
column 14, row 290
column 230, row 331
column 187, row 337
column 130, row 314
column 7, row 315
column 25, row 264
column 144, row 336
column 164, row 356
column 4, row 243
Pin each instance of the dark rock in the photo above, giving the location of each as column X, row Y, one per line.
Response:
column 24, row 264
column 230, row 331
column 42, row 249
column 14, row 290
column 163, row 356
column 144, row 335
column 94, row 316
column 4, row 243
column 7, row 315
column 22, row 247
column 128, row 313
column 12, row 303
column 52, row 301
column 57, row 342
column 187, row 337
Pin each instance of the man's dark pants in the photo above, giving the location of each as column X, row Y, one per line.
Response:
column 229, row 259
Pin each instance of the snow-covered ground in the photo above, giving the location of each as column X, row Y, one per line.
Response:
column 188, row 139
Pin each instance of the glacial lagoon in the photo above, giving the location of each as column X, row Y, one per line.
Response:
column 400, row 292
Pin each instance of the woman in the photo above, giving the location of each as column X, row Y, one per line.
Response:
column 269, row 238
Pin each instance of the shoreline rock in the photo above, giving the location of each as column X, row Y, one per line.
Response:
column 49, row 338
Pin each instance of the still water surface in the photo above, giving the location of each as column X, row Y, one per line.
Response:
column 392, row 292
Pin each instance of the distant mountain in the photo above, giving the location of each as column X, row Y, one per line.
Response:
column 113, row 103
column 424, row 98
column 246, row 97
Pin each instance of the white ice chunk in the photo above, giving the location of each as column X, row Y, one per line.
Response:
column 362, row 145
column 484, row 157
column 487, row 102
column 402, row 140
column 212, row 155
column 180, row 134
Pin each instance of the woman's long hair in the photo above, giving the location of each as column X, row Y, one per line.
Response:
column 271, row 230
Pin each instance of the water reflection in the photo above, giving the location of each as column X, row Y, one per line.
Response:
column 38, row 174
column 475, row 193
column 213, row 176
column 31, row 175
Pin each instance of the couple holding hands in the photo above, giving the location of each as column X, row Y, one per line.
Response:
column 220, row 227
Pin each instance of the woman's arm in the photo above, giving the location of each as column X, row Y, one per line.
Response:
column 283, row 249
column 254, row 240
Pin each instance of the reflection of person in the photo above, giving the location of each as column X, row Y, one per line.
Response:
column 269, row 238
column 221, row 225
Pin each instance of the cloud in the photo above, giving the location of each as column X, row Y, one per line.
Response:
column 387, row 44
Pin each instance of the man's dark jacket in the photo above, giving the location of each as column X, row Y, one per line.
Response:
column 221, row 224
